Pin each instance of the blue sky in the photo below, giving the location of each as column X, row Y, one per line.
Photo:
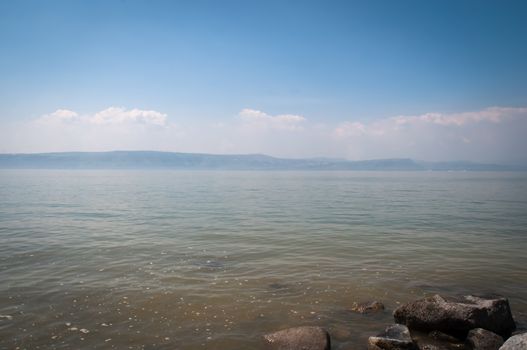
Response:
column 275, row 77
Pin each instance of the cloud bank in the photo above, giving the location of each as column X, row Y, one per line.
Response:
column 493, row 134
column 111, row 115
column 491, row 114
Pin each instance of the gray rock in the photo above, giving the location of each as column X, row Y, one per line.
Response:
column 431, row 345
column 437, row 341
column 516, row 342
column 438, row 346
column 457, row 316
column 299, row 338
column 481, row 339
column 368, row 307
column 437, row 335
column 394, row 337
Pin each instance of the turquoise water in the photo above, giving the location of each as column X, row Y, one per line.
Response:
column 213, row 260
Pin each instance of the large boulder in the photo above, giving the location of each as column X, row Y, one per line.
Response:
column 394, row 337
column 457, row 316
column 516, row 342
column 299, row 338
column 481, row 339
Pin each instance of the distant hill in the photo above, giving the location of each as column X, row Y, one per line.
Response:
column 172, row 160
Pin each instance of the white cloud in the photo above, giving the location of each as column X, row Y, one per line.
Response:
column 491, row 114
column 59, row 116
column 490, row 134
column 495, row 134
column 260, row 120
column 347, row 129
column 494, row 115
column 111, row 115
column 119, row 115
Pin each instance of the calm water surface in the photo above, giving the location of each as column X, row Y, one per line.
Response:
column 212, row 260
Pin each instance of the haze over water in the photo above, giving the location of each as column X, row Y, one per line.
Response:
column 213, row 260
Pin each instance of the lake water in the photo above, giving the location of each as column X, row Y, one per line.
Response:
column 213, row 260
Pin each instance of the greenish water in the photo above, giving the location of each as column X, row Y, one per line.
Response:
column 212, row 260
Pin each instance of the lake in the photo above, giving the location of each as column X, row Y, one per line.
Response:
column 214, row 259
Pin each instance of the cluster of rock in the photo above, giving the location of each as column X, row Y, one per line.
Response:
column 433, row 323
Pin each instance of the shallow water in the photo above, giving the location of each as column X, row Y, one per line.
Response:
column 212, row 260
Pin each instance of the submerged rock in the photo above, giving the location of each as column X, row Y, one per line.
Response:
column 394, row 337
column 299, row 338
column 277, row 285
column 482, row 339
column 457, row 317
column 368, row 307
column 340, row 332
column 516, row 342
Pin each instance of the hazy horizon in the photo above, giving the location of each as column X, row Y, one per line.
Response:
column 436, row 81
column 338, row 159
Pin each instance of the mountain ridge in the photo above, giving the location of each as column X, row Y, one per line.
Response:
column 205, row 161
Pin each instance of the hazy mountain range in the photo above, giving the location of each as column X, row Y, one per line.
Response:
column 171, row 160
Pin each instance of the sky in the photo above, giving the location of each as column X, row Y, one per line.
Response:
column 430, row 80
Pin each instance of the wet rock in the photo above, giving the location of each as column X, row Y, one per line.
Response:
column 428, row 346
column 368, row 307
column 299, row 338
column 481, row 339
column 457, row 316
column 437, row 345
column 437, row 341
column 394, row 337
column 516, row 342
column 440, row 346
column 437, row 335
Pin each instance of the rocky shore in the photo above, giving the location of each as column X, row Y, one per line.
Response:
column 432, row 323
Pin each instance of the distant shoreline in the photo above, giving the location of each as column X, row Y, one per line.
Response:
column 139, row 160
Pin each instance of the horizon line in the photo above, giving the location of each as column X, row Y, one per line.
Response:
column 269, row 156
